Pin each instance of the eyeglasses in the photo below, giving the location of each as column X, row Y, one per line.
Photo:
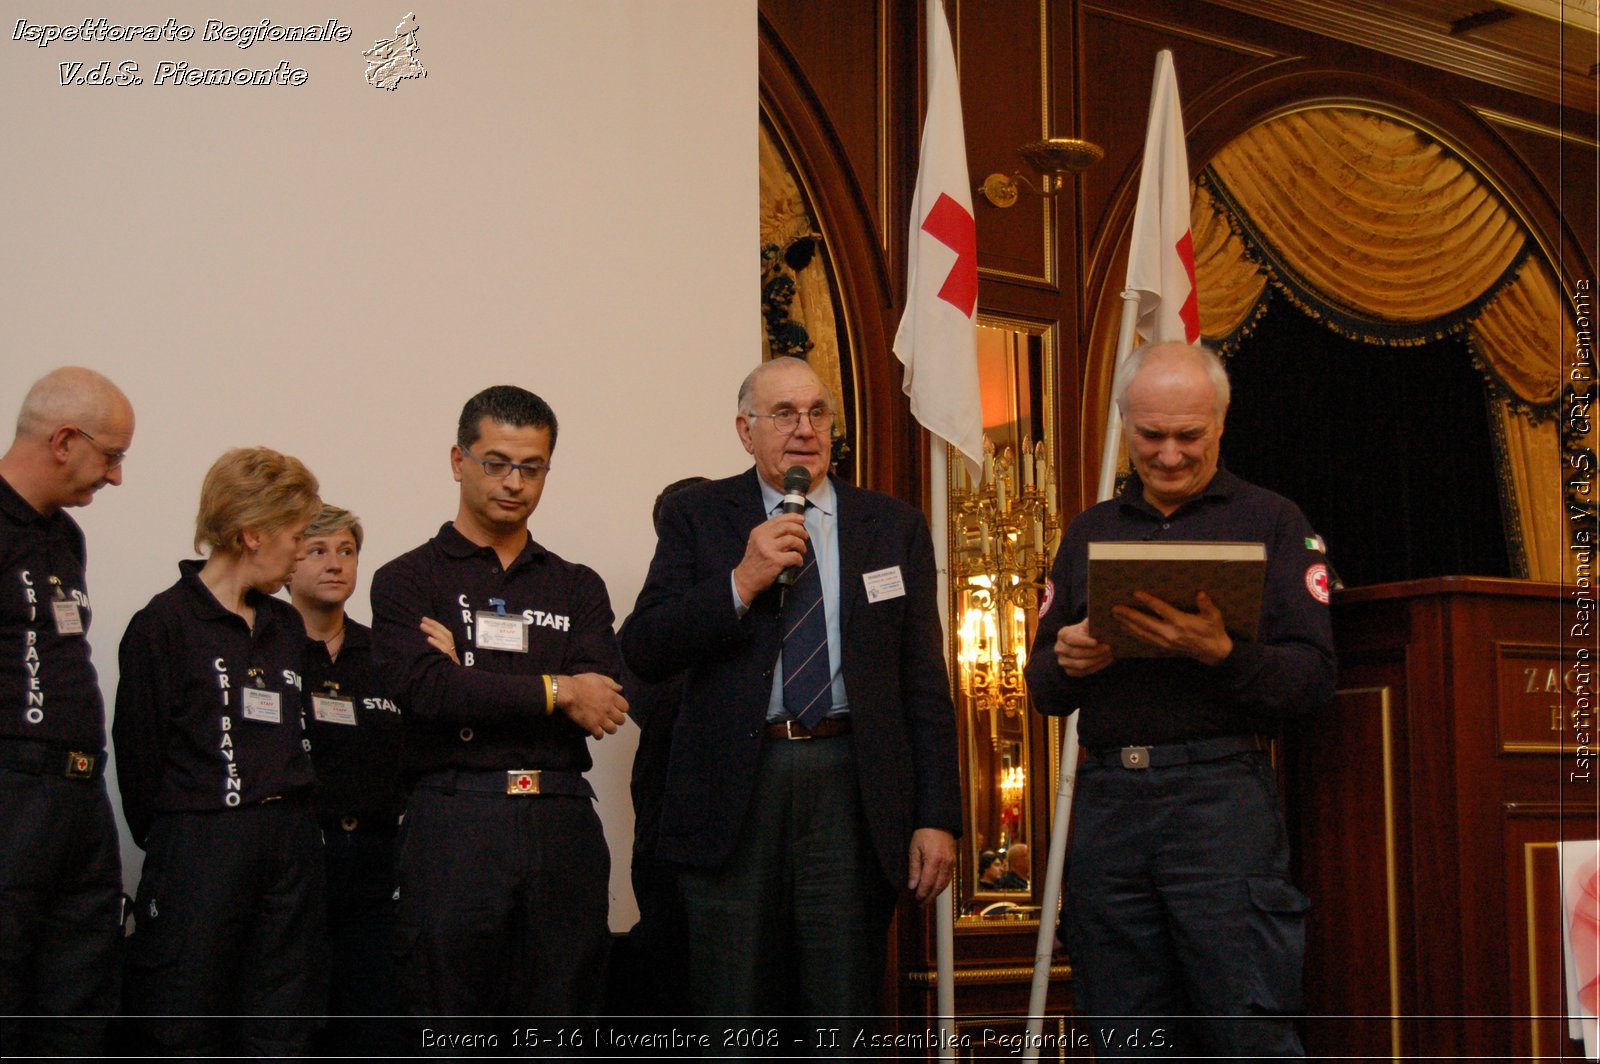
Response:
column 113, row 458
column 787, row 421
column 499, row 468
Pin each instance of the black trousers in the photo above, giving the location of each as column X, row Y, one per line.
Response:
column 229, row 951
column 1186, row 935
column 60, row 915
column 796, row 921
column 363, row 998
column 503, row 906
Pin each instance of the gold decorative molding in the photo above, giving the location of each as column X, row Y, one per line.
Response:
column 1391, row 862
column 839, row 285
column 1532, row 926
column 929, row 977
column 1500, row 118
column 885, row 228
column 1167, row 29
column 1374, row 25
column 1390, row 874
column 1579, row 14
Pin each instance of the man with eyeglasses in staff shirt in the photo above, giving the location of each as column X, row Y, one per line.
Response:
column 60, row 866
column 502, row 866
column 809, row 782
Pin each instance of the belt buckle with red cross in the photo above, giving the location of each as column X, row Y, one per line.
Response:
column 522, row 781
column 80, row 766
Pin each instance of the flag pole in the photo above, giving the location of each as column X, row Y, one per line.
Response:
column 937, row 341
column 944, row 905
column 1111, row 451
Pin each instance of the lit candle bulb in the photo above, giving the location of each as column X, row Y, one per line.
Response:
column 1027, row 464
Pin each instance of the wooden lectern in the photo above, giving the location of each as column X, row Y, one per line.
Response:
column 1424, row 807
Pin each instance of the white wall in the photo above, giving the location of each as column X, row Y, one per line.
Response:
column 567, row 202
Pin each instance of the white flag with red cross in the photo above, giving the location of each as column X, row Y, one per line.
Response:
column 938, row 338
column 1161, row 255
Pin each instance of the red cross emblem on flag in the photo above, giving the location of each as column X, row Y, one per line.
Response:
column 951, row 225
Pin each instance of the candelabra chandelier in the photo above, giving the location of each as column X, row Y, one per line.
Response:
column 1006, row 532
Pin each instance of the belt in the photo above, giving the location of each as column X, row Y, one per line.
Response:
column 826, row 728
column 511, row 783
column 38, row 759
column 372, row 825
column 1167, row 755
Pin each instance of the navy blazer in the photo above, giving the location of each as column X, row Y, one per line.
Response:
column 893, row 666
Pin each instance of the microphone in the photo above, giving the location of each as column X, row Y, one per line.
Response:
column 795, row 483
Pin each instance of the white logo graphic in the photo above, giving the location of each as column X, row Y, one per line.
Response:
column 393, row 61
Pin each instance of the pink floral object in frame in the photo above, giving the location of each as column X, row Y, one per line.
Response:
column 1580, row 906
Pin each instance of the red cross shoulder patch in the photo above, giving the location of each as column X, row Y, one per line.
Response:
column 1317, row 582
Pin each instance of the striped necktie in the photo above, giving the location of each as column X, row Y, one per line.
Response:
column 807, row 677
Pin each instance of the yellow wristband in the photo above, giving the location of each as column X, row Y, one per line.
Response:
column 549, row 693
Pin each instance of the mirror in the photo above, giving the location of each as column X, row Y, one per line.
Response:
column 1003, row 534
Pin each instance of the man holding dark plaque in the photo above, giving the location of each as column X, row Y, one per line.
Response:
column 1186, row 935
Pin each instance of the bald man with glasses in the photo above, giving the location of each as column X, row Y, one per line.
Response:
column 60, row 867
column 813, row 777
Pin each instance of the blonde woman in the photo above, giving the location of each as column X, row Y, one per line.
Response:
column 228, row 950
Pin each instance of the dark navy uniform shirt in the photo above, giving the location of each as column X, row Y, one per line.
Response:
column 1289, row 668
column 488, row 713
column 355, row 730
column 48, row 689
column 190, row 735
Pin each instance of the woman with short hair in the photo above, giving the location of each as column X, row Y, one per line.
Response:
column 228, row 949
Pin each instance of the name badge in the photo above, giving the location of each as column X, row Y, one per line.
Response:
column 263, row 706
column 68, row 620
column 884, row 584
column 332, row 710
column 497, row 631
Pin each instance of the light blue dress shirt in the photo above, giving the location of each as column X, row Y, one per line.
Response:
column 822, row 524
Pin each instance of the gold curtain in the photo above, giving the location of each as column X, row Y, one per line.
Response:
column 783, row 220
column 1383, row 235
column 1233, row 288
column 1371, row 215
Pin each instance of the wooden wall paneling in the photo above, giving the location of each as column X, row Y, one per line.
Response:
column 1482, row 777
column 1349, row 772
column 1001, row 46
column 1116, row 63
column 1568, row 220
column 1462, row 783
column 1513, row 60
column 839, row 49
column 1533, row 913
column 885, row 438
column 1353, row 802
column 1116, row 48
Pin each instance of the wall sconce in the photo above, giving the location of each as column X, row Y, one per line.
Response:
column 1054, row 158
